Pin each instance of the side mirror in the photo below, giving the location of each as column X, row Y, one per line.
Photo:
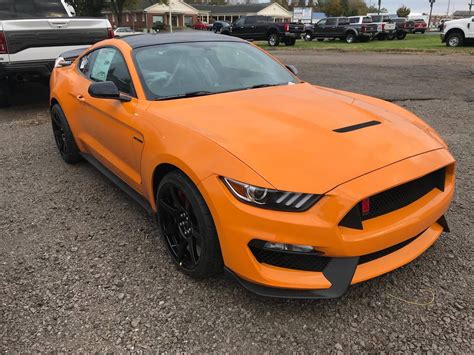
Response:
column 292, row 68
column 107, row 90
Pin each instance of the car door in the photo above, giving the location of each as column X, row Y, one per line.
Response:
column 262, row 25
column 250, row 27
column 342, row 23
column 320, row 28
column 330, row 28
column 109, row 126
column 238, row 28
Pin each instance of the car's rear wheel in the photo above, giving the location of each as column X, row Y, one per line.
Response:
column 350, row 37
column 391, row 36
column 187, row 226
column 307, row 37
column 290, row 41
column 63, row 136
column 5, row 95
column 401, row 35
column 454, row 40
column 273, row 40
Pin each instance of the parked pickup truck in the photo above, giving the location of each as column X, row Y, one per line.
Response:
column 340, row 27
column 403, row 27
column 458, row 32
column 263, row 28
column 386, row 28
column 34, row 33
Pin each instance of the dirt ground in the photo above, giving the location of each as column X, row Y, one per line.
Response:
column 82, row 267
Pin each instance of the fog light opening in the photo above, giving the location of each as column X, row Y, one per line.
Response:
column 297, row 248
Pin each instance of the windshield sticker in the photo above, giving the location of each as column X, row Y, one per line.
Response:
column 102, row 64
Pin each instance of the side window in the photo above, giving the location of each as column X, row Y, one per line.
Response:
column 331, row 21
column 239, row 22
column 252, row 20
column 354, row 20
column 109, row 65
column 85, row 63
column 343, row 21
column 322, row 23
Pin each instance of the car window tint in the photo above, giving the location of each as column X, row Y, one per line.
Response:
column 24, row 9
column 239, row 22
column 343, row 21
column 331, row 22
column 366, row 20
column 251, row 20
column 377, row 18
column 354, row 20
column 85, row 63
column 109, row 65
column 321, row 23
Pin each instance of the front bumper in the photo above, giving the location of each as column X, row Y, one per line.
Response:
column 238, row 224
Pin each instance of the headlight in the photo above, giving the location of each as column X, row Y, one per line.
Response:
column 270, row 199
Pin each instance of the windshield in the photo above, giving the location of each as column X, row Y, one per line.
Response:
column 203, row 68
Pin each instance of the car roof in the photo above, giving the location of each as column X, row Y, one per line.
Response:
column 183, row 37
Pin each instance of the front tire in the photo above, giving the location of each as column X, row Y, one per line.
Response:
column 290, row 41
column 307, row 37
column 273, row 40
column 401, row 35
column 187, row 227
column 454, row 40
column 63, row 136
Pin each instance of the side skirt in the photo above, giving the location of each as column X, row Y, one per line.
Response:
column 119, row 182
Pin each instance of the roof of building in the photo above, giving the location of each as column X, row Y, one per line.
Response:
column 144, row 40
column 232, row 9
column 463, row 13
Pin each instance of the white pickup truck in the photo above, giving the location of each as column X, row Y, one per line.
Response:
column 32, row 35
column 386, row 28
column 458, row 32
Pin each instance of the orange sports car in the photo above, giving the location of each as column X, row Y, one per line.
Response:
column 295, row 190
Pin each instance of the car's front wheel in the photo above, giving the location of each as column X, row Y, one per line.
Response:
column 401, row 35
column 187, row 226
column 63, row 136
column 290, row 41
column 454, row 40
column 350, row 37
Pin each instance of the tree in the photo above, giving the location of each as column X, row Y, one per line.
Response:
column 332, row 7
column 403, row 11
column 91, row 8
column 117, row 7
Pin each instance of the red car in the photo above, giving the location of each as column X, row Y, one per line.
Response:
column 201, row 26
column 420, row 26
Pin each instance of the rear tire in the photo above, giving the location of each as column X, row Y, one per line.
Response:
column 454, row 40
column 63, row 136
column 350, row 38
column 290, row 41
column 5, row 94
column 307, row 37
column 390, row 36
column 273, row 40
column 187, row 227
column 401, row 35
column 422, row 32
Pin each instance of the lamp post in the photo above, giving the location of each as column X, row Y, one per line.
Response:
column 431, row 11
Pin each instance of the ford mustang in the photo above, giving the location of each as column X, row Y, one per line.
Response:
column 294, row 190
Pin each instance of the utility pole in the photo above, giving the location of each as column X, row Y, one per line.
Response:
column 380, row 4
column 449, row 5
column 431, row 11
column 170, row 17
column 470, row 7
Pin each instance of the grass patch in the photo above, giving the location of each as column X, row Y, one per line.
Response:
column 413, row 43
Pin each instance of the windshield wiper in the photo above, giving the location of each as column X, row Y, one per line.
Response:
column 187, row 94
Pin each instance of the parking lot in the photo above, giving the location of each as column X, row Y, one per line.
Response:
column 82, row 267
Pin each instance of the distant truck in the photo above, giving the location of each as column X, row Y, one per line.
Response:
column 342, row 28
column 458, row 32
column 386, row 27
column 34, row 33
column 263, row 28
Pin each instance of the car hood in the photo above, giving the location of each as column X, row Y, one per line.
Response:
column 286, row 133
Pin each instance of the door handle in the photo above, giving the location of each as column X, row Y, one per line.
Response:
column 80, row 98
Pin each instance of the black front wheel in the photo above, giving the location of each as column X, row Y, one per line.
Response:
column 401, row 35
column 63, row 136
column 187, row 226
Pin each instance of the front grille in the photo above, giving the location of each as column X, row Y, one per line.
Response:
column 394, row 198
column 384, row 252
column 290, row 260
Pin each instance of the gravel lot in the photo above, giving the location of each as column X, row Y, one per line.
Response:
column 82, row 269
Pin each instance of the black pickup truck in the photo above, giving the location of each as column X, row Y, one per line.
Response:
column 262, row 28
column 340, row 27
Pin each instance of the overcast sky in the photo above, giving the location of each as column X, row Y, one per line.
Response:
column 439, row 7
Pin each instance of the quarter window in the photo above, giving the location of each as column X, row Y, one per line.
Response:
column 109, row 65
column 331, row 21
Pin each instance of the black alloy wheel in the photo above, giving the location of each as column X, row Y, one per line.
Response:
column 63, row 136
column 187, row 226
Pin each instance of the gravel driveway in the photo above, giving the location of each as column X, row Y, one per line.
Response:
column 82, row 269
